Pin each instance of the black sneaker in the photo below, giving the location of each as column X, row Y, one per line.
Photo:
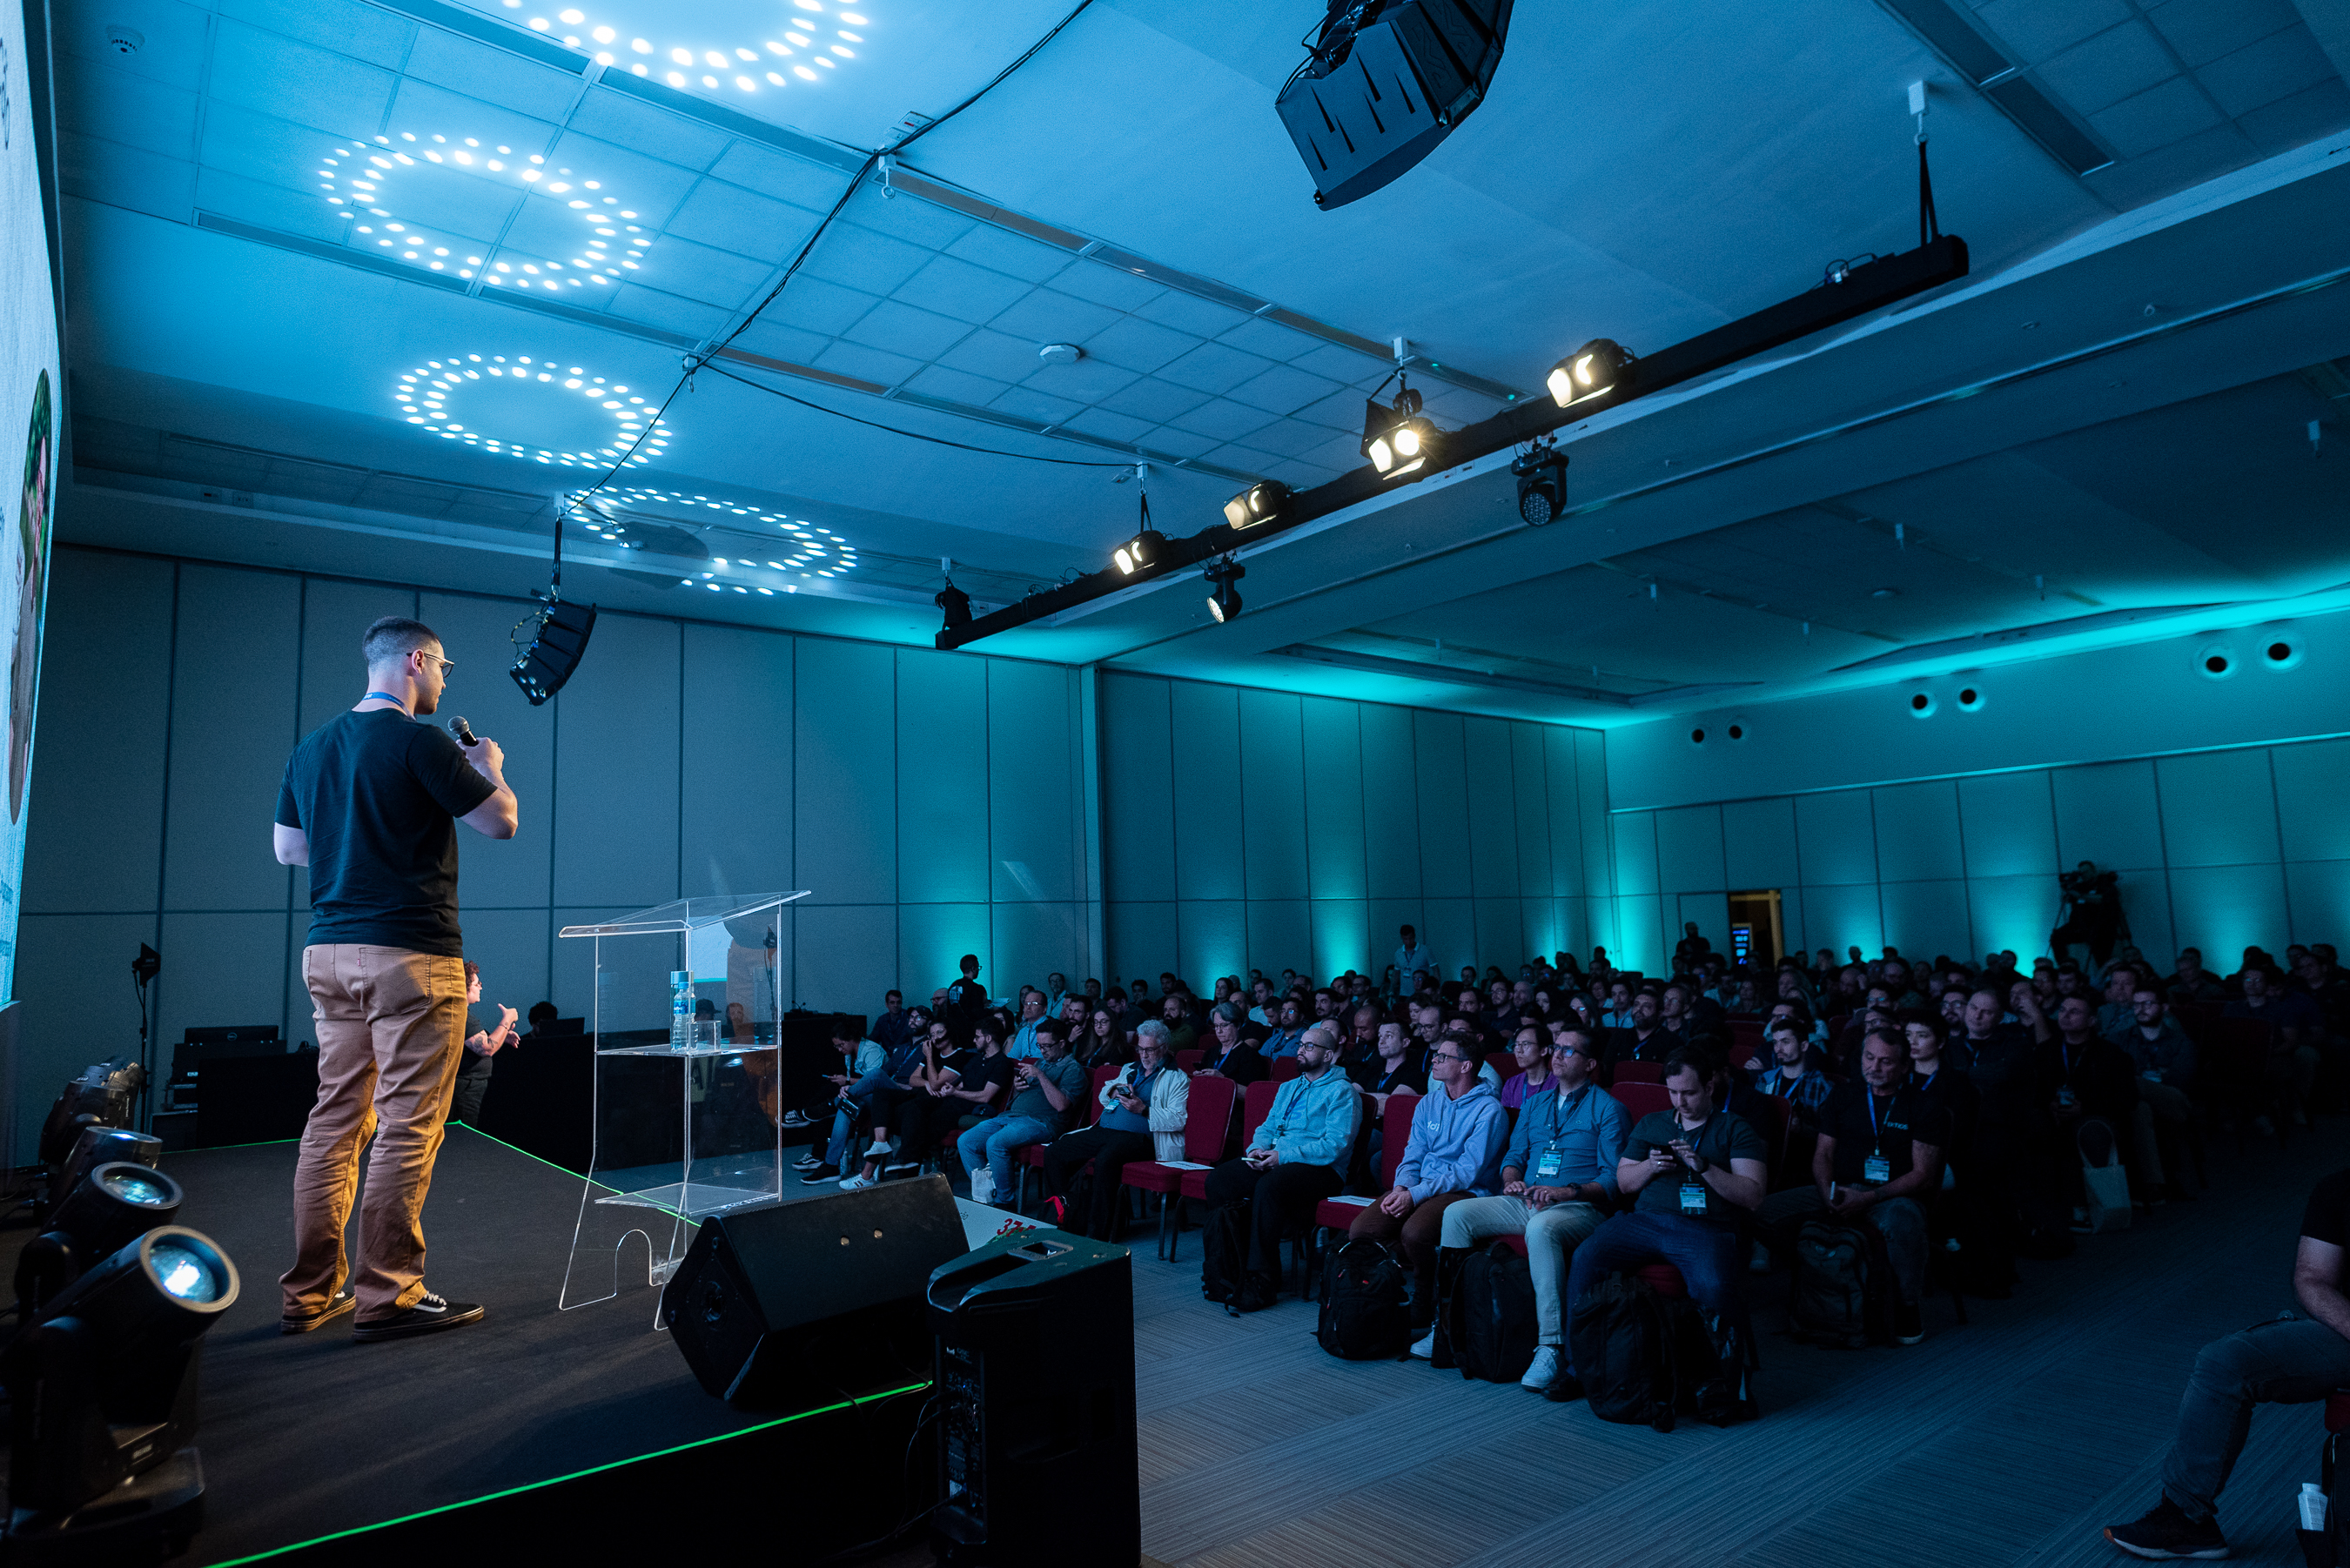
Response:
column 1908, row 1324
column 343, row 1301
column 900, row 1170
column 821, row 1173
column 431, row 1315
column 1564, row 1389
column 807, row 1162
column 2167, row 1532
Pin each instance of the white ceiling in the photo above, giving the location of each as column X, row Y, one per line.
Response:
column 1642, row 172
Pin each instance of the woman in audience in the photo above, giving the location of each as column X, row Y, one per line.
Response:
column 1531, row 1047
column 1105, row 1044
column 1233, row 1057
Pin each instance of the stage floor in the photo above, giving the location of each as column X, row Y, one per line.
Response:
column 306, row 1435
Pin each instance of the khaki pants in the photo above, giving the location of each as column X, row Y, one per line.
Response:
column 1551, row 1235
column 391, row 1031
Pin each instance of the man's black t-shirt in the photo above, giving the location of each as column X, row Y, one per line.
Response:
column 378, row 795
column 2327, row 1217
column 977, row 1072
column 1863, row 1125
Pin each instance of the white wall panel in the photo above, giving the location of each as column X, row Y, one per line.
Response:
column 230, row 968
column 1390, row 803
column 1334, row 804
column 1206, row 771
column 1530, row 788
column 1927, row 919
column 232, row 704
column 734, row 808
column 2318, row 892
column 1836, row 836
column 1448, row 928
column 1138, row 790
column 1916, row 829
column 72, row 979
column 1035, row 836
column 491, row 872
column 1759, row 843
column 847, row 954
column 1491, row 778
column 1710, row 911
column 1271, row 794
column 1635, row 851
column 2010, row 823
column 617, row 761
column 2223, row 910
column 2006, row 913
column 1280, row 935
column 1143, row 939
column 1442, row 780
column 2109, row 813
column 931, row 940
column 2313, row 790
column 1844, row 915
column 844, row 772
column 2218, row 808
column 1689, row 850
column 1032, row 940
column 1214, row 937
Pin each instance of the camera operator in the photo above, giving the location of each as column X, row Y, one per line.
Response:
column 371, row 803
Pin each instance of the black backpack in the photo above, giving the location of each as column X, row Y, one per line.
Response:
column 1647, row 1359
column 1492, row 1327
column 1840, row 1273
column 1223, row 1269
column 1363, row 1314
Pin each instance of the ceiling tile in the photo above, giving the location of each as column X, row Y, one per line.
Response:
column 1212, row 367
column 2035, row 29
column 1046, row 316
column 1029, row 404
column 2118, row 63
column 649, row 187
column 124, row 176
column 1284, row 390
column 2304, row 117
column 863, row 259
column 270, row 206
column 817, row 306
column 260, row 147
column 780, row 175
column 423, row 110
column 1189, row 312
column 261, row 72
column 1220, row 418
column 1090, row 380
column 98, row 100
column 461, row 204
column 1001, row 251
column 679, row 266
column 939, row 381
column 2155, row 118
column 2189, row 161
column 364, row 32
column 872, row 364
column 2203, row 30
column 1107, row 286
column 1298, row 474
column 959, row 289
column 654, row 308
column 496, row 75
column 1282, row 344
column 2279, row 65
column 1108, row 426
column 993, row 355
column 546, row 226
column 1136, row 345
column 1342, row 411
column 632, row 122
column 1341, row 365
column 1342, row 454
column 758, row 226
column 902, row 329
column 1156, row 402
column 771, row 337
column 177, row 37
column 1288, row 438
column 1176, row 442
column 917, row 222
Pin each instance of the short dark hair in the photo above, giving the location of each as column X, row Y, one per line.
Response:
column 846, row 1029
column 472, row 972
column 1048, row 1029
column 393, row 636
column 539, row 1010
column 1689, row 1059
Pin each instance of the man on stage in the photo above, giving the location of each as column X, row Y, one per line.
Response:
column 370, row 803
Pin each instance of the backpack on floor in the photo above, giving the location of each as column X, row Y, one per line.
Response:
column 1363, row 1317
column 1626, row 1345
column 1223, row 1267
column 1492, row 1327
column 1840, row 1278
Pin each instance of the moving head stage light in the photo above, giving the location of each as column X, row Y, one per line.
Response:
column 1384, row 81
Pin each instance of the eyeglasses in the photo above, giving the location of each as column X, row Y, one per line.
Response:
column 446, row 664
column 1446, row 1056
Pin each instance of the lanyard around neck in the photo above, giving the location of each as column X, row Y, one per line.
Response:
column 387, row 697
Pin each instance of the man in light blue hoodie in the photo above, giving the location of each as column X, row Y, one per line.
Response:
column 1293, row 1162
column 1458, row 1133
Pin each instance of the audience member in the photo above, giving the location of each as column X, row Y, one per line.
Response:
column 1792, row 1073
column 1044, row 1088
column 1530, row 1046
column 1292, row 1163
column 1455, row 1151
column 1235, row 1056
column 1144, row 1109
column 2297, row 1026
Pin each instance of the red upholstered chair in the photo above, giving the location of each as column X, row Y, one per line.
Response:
column 1208, row 1119
column 1284, row 1069
column 1638, row 1100
column 2337, row 1410
column 1505, row 1063
column 1638, row 1072
column 1189, row 1060
column 1255, row 1105
column 1395, row 1129
column 1031, row 1156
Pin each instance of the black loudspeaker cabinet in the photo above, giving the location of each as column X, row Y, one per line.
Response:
column 800, row 1304
column 1036, row 1390
column 257, row 1099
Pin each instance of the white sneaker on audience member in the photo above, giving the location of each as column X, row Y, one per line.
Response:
column 983, row 1186
column 1425, row 1346
column 1544, row 1370
column 857, row 1183
column 881, row 1150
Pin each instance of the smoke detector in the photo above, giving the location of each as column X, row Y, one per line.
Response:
column 124, row 40
column 1060, row 353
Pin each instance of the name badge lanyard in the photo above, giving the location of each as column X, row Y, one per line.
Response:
column 1552, row 1159
column 1695, row 1197
column 1876, row 1168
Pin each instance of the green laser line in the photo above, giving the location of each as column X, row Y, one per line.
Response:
column 575, row 1475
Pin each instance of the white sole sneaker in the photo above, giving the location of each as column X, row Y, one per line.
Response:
column 1425, row 1346
column 857, row 1183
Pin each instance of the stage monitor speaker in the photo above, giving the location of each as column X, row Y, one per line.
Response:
column 1035, row 1388
column 806, row 1303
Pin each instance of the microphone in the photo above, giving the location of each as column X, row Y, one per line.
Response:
column 463, row 731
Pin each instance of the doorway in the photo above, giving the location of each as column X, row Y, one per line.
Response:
column 1756, row 936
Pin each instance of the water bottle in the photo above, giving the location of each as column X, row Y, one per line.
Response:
column 681, row 1009
column 2313, row 1506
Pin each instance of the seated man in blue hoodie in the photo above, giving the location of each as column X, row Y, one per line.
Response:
column 1458, row 1133
column 1559, row 1180
column 1297, row 1158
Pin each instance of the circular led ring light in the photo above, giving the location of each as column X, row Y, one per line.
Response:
column 354, row 174
column 814, row 553
column 423, row 394
column 789, row 51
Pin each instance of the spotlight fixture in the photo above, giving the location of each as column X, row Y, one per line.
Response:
column 1225, row 602
column 1145, row 550
column 1257, row 503
column 1396, row 436
column 955, row 603
column 1542, row 483
column 114, row 1205
column 1594, row 369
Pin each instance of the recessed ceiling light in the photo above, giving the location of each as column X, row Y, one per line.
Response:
column 1885, row 593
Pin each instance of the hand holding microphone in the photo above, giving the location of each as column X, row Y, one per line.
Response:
column 485, row 755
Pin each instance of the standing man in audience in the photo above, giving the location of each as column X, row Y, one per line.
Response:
column 1878, row 1159
column 1295, row 1161
column 1558, row 1176
column 371, row 803
column 1697, row 1174
column 2290, row 1360
column 1458, row 1132
column 1413, row 954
